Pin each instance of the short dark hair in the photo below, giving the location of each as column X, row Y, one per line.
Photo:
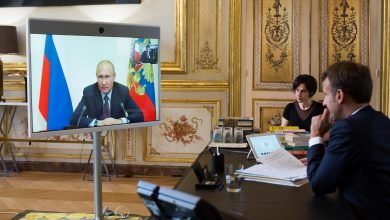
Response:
column 353, row 78
column 309, row 81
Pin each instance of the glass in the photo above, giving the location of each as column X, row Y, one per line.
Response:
column 238, row 135
column 217, row 135
column 227, row 135
column 233, row 179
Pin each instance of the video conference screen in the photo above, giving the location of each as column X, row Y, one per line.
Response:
column 86, row 76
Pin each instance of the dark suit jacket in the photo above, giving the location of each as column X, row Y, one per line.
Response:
column 148, row 59
column 92, row 99
column 357, row 161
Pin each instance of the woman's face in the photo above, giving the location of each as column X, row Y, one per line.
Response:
column 302, row 93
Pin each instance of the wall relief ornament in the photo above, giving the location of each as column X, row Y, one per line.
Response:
column 207, row 59
column 344, row 32
column 182, row 131
column 277, row 40
column 277, row 31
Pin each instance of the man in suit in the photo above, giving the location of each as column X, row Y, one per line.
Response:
column 357, row 157
column 105, row 102
column 148, row 56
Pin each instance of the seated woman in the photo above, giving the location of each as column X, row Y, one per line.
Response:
column 299, row 113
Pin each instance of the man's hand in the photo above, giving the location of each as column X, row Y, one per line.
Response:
column 304, row 160
column 110, row 121
column 320, row 124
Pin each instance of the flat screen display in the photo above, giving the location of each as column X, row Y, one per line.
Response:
column 89, row 76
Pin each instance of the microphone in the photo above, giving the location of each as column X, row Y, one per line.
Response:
column 81, row 115
column 124, row 110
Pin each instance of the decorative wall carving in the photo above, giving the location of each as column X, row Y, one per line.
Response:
column 184, row 131
column 128, row 144
column 276, row 43
column 206, row 29
column 344, row 31
column 207, row 59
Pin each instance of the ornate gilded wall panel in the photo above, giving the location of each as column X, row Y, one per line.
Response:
column 74, row 146
column 179, row 64
column 128, row 144
column 206, row 29
column 195, row 86
column 344, row 31
column 267, row 112
column 184, row 130
column 234, row 68
column 276, row 43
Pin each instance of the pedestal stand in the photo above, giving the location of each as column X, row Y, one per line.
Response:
column 97, row 175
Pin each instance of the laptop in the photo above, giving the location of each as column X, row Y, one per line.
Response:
column 263, row 144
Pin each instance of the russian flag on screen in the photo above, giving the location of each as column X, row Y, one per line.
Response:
column 142, row 92
column 55, row 103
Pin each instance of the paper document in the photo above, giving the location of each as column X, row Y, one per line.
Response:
column 278, row 167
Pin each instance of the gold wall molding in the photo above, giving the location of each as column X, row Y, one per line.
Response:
column 344, row 31
column 277, row 52
column 234, row 66
column 261, row 110
column 385, row 67
column 206, row 29
column 179, row 64
column 194, row 85
column 128, row 144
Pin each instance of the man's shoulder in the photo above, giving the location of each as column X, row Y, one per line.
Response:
column 91, row 88
column 120, row 86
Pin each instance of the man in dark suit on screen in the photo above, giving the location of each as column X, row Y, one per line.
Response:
column 105, row 102
column 357, row 157
column 148, row 56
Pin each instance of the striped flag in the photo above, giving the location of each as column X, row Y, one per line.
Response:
column 55, row 103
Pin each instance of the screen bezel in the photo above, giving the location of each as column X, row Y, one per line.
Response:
column 85, row 28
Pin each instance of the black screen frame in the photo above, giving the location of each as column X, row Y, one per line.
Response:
column 86, row 28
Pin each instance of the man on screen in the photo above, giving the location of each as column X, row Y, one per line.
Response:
column 148, row 56
column 105, row 102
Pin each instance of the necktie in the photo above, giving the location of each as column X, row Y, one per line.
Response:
column 106, row 108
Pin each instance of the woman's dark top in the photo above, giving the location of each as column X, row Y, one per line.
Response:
column 302, row 118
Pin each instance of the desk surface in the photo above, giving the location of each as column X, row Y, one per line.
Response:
column 266, row 201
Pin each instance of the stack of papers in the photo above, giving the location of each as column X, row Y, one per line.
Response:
column 297, row 139
column 278, row 167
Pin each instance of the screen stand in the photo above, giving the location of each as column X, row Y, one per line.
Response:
column 97, row 174
column 250, row 155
